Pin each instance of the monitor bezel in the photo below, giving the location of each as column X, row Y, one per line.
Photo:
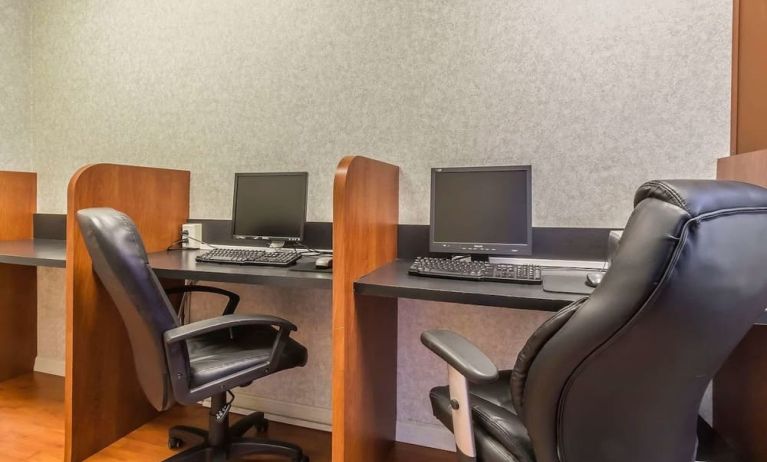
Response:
column 483, row 248
column 293, row 239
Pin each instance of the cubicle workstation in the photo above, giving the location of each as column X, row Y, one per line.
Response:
column 27, row 240
column 377, row 261
column 448, row 283
column 93, row 326
column 18, row 326
column 103, row 399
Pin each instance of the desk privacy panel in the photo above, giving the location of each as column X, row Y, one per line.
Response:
column 597, row 95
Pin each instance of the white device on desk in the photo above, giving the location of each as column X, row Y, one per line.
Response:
column 324, row 262
column 191, row 235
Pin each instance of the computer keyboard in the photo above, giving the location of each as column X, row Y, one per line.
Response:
column 249, row 257
column 476, row 270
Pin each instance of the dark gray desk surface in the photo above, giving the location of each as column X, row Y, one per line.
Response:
column 181, row 264
column 393, row 281
column 34, row 252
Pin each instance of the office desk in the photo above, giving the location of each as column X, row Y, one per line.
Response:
column 393, row 281
column 376, row 309
column 181, row 264
column 19, row 260
column 34, row 252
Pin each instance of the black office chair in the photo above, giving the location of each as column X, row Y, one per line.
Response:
column 189, row 363
column 619, row 376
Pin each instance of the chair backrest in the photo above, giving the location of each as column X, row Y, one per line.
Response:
column 120, row 261
column 620, row 376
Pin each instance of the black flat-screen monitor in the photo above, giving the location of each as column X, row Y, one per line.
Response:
column 270, row 206
column 481, row 210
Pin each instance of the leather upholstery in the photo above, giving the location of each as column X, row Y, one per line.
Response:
column 531, row 349
column 695, row 197
column 621, row 377
column 462, row 355
column 207, row 357
column 217, row 354
column 504, row 433
column 120, row 260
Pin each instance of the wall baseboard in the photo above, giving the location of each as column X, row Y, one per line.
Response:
column 423, row 434
column 420, row 434
column 300, row 415
column 50, row 366
column 317, row 418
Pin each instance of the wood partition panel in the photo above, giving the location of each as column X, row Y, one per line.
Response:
column 750, row 167
column 365, row 218
column 18, row 284
column 749, row 72
column 740, row 387
column 103, row 398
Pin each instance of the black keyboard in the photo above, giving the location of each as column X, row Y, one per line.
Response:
column 476, row 270
column 249, row 257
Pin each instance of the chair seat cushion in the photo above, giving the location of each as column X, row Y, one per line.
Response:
column 218, row 354
column 494, row 415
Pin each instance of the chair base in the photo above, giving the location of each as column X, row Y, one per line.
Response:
column 223, row 443
column 239, row 447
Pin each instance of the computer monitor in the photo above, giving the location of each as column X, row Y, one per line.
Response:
column 270, row 206
column 481, row 210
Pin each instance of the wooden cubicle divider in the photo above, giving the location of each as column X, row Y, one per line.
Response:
column 103, row 398
column 749, row 167
column 18, row 284
column 365, row 218
column 749, row 68
column 740, row 387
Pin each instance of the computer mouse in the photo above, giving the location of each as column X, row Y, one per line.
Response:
column 593, row 279
column 324, row 262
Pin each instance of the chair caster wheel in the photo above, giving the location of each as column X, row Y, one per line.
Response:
column 262, row 427
column 174, row 443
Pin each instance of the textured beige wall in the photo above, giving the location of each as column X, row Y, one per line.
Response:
column 51, row 319
column 310, row 311
column 499, row 332
column 14, row 86
column 598, row 95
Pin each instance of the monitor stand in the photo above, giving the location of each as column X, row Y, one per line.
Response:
column 276, row 244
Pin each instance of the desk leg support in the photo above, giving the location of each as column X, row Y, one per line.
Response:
column 740, row 396
column 103, row 398
column 365, row 419
column 18, row 320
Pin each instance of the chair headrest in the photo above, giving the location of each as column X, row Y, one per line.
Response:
column 698, row 197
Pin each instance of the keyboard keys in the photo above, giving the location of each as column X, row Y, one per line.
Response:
column 249, row 257
column 476, row 270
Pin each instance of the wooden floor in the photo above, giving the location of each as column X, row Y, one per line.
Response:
column 32, row 429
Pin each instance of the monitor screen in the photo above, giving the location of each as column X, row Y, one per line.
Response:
column 481, row 210
column 269, row 206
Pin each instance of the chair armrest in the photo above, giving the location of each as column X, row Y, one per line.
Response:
column 461, row 355
column 234, row 299
column 221, row 323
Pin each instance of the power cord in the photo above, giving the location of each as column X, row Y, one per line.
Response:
column 186, row 239
column 310, row 252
